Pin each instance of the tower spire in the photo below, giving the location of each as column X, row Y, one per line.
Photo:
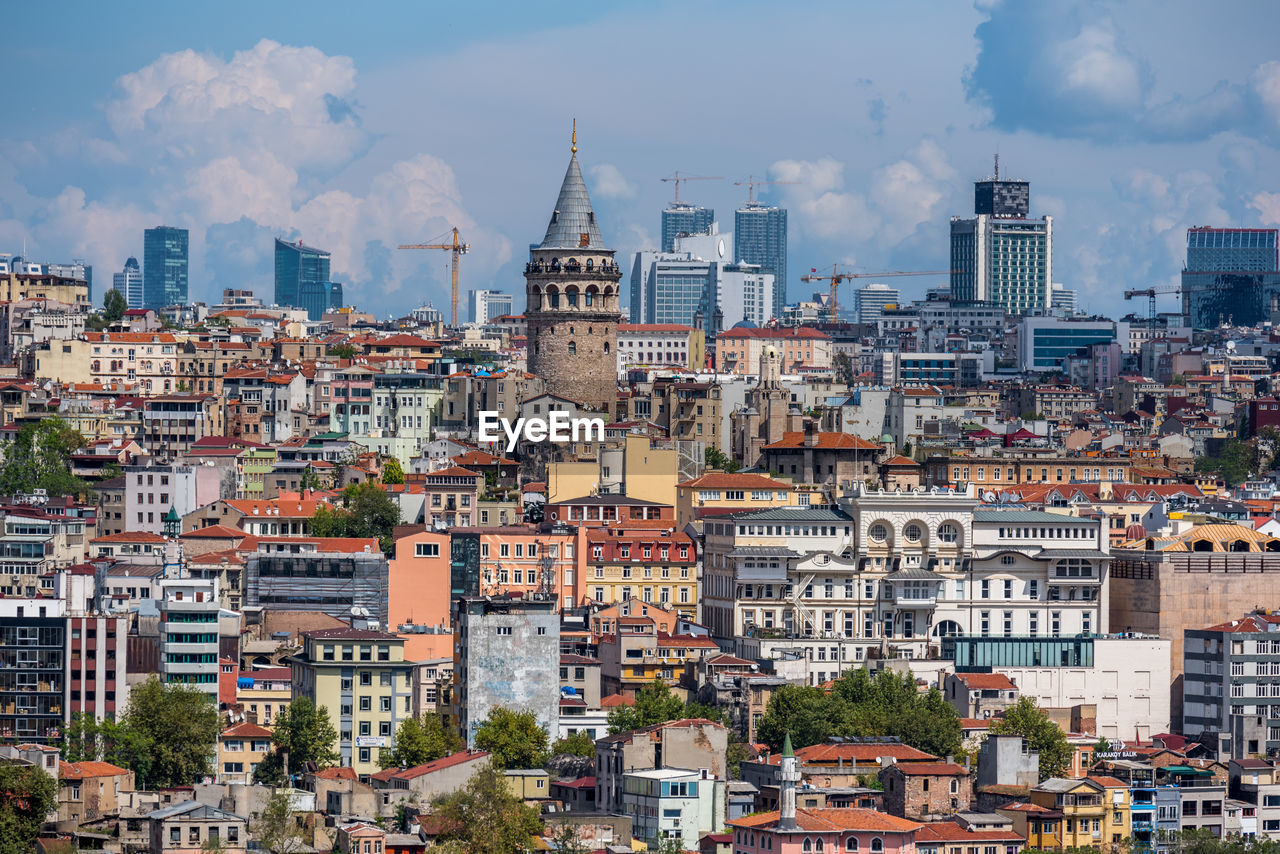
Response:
column 573, row 149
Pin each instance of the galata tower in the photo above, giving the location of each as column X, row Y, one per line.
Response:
column 571, row 287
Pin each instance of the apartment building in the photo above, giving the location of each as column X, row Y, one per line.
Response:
column 653, row 566
column 362, row 678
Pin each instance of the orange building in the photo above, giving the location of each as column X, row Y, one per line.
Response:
column 419, row 595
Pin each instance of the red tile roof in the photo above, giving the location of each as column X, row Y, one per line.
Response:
column 221, row 532
column 84, row 770
column 246, row 730
column 930, row 769
column 439, row 764
column 727, row 480
column 987, row 681
column 826, row 441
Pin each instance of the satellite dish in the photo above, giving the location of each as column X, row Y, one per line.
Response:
column 989, row 497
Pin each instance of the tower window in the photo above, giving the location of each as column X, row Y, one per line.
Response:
column 573, row 348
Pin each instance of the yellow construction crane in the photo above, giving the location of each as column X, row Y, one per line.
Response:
column 751, row 183
column 837, row 277
column 677, row 178
column 458, row 249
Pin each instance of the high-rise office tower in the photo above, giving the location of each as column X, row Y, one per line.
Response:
column 760, row 237
column 164, row 266
column 698, row 285
column 302, row 279
column 1232, row 276
column 681, row 220
column 1002, row 256
column 129, row 283
column 486, row 305
column 869, row 302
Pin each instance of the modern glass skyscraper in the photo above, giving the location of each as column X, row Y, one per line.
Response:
column 302, row 279
column 1003, row 256
column 681, row 219
column 1232, row 275
column 164, row 266
column 760, row 237
column 129, row 283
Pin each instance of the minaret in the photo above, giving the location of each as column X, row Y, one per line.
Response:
column 571, row 287
column 788, row 777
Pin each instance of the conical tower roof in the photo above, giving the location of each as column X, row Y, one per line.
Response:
column 573, row 222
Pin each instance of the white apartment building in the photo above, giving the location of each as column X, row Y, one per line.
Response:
column 660, row 345
column 890, row 574
column 189, row 633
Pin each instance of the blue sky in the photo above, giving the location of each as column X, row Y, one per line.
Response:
column 358, row 130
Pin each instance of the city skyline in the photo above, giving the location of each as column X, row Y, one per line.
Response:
column 242, row 134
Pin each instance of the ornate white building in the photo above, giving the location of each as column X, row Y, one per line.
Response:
column 891, row 574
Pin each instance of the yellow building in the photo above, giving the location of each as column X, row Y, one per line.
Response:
column 628, row 466
column 20, row 286
column 361, row 678
column 650, row 565
column 240, row 749
column 716, row 493
column 1095, row 810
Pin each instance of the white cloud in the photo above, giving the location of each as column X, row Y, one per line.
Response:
column 273, row 97
column 607, row 182
column 1092, row 66
column 1268, row 207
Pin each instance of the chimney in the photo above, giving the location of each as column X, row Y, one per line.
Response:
column 810, row 433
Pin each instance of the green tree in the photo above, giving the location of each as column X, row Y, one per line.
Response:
column 804, row 711
column 303, row 732
column 180, row 725
column 515, row 739
column 577, row 744
column 843, row 365
column 484, row 817
column 27, row 794
column 1235, row 462
column 860, row 704
column 120, row 743
column 366, row 511
column 392, row 472
column 275, row 828
column 654, row 704
column 420, row 740
column 113, row 305
column 342, row 351
column 714, row 458
column 40, row 458
column 1028, row 720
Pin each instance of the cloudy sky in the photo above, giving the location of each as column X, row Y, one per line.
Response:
column 358, row 128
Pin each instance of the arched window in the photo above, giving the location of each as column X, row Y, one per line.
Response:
column 947, row 628
column 851, row 844
column 912, row 533
column 879, row 532
column 573, row 348
column 948, row 533
column 606, row 348
column 808, row 844
column 955, row 785
column 877, row 845
column 818, row 846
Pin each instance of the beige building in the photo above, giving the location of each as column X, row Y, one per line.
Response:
column 739, row 350
column 361, row 678
column 716, row 493
column 21, row 286
column 240, row 749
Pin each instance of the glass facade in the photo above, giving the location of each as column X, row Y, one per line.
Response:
column 760, row 237
column 977, row 654
column 678, row 291
column 1051, row 344
column 164, row 267
column 1232, row 275
column 684, row 219
column 298, row 265
column 1002, row 261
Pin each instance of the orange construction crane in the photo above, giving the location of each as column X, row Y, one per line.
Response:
column 458, row 249
column 751, row 183
column 677, row 178
column 837, row 277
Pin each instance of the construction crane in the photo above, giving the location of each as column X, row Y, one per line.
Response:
column 837, row 277
column 677, row 178
column 751, row 183
column 1150, row 294
column 458, row 249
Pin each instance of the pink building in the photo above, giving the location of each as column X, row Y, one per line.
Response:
column 819, row 831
